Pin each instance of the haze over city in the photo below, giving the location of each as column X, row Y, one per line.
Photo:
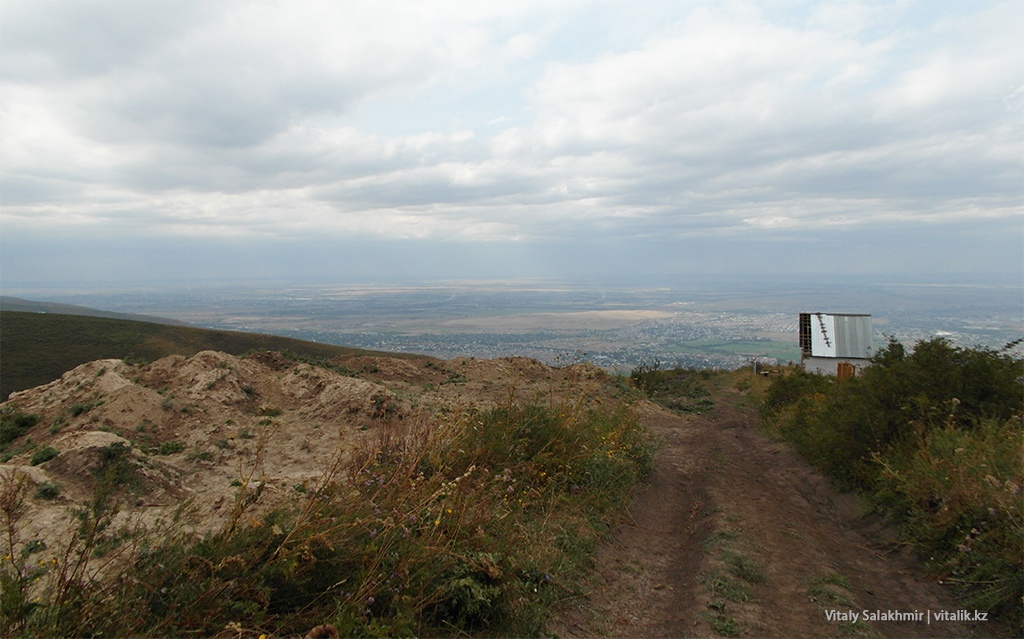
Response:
column 178, row 142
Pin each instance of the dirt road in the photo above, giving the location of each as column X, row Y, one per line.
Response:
column 737, row 536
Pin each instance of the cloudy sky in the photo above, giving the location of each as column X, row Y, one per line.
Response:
column 383, row 140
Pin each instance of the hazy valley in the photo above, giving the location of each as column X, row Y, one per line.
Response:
column 705, row 324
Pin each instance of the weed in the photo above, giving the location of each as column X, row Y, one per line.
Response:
column 720, row 536
column 170, row 448
column 58, row 423
column 679, row 389
column 858, row 630
column 830, row 589
column 722, row 585
column 719, row 619
column 743, row 567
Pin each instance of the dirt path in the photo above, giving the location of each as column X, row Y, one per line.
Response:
column 737, row 536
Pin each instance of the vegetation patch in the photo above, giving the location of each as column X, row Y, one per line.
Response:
column 829, row 590
column 39, row 347
column 43, row 455
column 48, row 490
column 729, row 580
column 14, row 424
column 679, row 389
column 477, row 523
column 170, row 448
column 933, row 438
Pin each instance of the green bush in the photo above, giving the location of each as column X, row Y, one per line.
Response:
column 43, row 455
column 14, row 424
column 959, row 495
column 48, row 490
column 934, row 438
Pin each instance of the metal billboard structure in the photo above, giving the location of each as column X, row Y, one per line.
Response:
column 835, row 343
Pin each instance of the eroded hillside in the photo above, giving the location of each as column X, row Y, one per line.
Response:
column 197, row 430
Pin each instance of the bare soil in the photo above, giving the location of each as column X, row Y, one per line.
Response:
column 736, row 535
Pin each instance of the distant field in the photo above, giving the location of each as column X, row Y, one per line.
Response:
column 784, row 351
column 37, row 348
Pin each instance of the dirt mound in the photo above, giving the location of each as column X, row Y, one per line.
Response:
column 206, row 427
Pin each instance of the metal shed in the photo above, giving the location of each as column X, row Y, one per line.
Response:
column 835, row 343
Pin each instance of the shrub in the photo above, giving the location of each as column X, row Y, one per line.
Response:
column 14, row 424
column 48, row 490
column 43, row 455
column 958, row 494
column 933, row 437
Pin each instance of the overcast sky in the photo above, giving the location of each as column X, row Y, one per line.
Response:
column 381, row 140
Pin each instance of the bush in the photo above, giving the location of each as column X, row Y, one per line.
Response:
column 679, row 389
column 934, row 438
column 48, row 490
column 958, row 494
column 14, row 424
column 43, row 455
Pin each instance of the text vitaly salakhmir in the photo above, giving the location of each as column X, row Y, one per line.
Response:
column 926, row 616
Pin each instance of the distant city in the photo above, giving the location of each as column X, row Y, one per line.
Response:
column 720, row 324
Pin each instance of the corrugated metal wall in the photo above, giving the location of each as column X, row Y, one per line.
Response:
column 852, row 335
column 834, row 335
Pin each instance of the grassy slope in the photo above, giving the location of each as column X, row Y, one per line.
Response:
column 8, row 303
column 37, row 348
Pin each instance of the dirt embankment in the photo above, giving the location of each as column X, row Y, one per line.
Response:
column 737, row 536
column 197, row 429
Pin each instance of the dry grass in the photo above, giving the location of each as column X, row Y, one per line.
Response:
column 479, row 521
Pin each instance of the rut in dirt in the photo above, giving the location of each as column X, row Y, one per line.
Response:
column 735, row 535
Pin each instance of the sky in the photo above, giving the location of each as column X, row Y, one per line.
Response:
column 155, row 142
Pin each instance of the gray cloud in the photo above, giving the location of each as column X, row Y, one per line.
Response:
column 529, row 127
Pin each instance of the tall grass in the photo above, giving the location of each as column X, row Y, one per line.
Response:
column 476, row 523
column 934, row 437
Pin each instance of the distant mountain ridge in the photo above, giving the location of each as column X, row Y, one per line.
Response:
column 38, row 346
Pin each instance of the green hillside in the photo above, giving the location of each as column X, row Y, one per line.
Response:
column 8, row 303
column 36, row 348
